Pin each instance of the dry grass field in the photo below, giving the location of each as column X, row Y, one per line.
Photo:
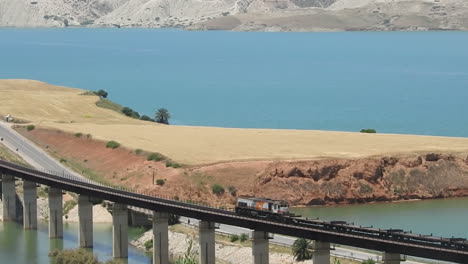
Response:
column 64, row 108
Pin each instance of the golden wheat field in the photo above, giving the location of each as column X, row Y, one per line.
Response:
column 66, row 109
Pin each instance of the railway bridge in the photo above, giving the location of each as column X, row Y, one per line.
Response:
column 393, row 243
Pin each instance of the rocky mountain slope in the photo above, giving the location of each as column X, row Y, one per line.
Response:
column 242, row 15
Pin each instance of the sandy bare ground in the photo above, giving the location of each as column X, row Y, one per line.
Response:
column 64, row 108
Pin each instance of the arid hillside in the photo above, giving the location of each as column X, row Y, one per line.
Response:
column 308, row 182
column 241, row 15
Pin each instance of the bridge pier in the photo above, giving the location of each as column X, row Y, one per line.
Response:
column 207, row 242
column 30, row 205
column 160, row 238
column 260, row 247
column 120, row 231
column 391, row 258
column 85, row 218
column 55, row 213
column 9, row 198
column 321, row 253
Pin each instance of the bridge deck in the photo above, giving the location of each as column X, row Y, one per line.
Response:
column 304, row 229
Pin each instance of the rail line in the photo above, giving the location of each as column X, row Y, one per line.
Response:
column 392, row 240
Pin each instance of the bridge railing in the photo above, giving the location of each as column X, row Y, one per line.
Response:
column 104, row 183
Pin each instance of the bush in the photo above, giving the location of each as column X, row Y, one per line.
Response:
column 146, row 118
column 232, row 190
column 81, row 256
column 30, row 127
column 160, row 182
column 243, row 237
column 78, row 135
column 101, row 93
column 173, row 164
column 369, row 130
column 369, row 261
column 138, row 151
column 148, row 244
column 62, row 160
column 156, row 157
column 234, row 238
column 112, row 144
column 217, row 189
column 130, row 113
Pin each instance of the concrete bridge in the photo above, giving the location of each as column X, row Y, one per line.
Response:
column 392, row 243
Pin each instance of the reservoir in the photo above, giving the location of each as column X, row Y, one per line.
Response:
column 442, row 217
column 394, row 82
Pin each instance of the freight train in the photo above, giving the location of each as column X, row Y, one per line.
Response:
column 278, row 211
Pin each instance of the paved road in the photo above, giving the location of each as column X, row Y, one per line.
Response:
column 41, row 160
column 32, row 154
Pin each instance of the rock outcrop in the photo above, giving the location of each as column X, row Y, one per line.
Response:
column 433, row 175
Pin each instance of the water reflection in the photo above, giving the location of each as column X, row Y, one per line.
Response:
column 32, row 246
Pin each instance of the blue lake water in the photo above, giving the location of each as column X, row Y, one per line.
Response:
column 395, row 82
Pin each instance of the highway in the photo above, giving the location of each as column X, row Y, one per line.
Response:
column 32, row 154
column 41, row 160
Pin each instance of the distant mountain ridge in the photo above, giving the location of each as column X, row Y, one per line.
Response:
column 241, row 15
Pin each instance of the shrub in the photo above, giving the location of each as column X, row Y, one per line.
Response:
column 138, row 151
column 364, row 188
column 369, row 261
column 130, row 113
column 234, row 238
column 148, row 244
column 243, row 237
column 173, row 164
column 112, row 144
column 89, row 136
column 232, row 190
column 30, row 127
column 160, row 182
column 146, row 118
column 156, row 157
column 62, row 160
column 78, row 135
column 73, row 256
column 217, row 189
column 369, row 130
column 68, row 205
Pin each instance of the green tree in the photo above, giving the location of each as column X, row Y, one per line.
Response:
column 162, row 116
column 302, row 249
column 101, row 93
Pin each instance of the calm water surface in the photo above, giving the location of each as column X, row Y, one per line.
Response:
column 20, row 246
column 395, row 82
column 445, row 217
